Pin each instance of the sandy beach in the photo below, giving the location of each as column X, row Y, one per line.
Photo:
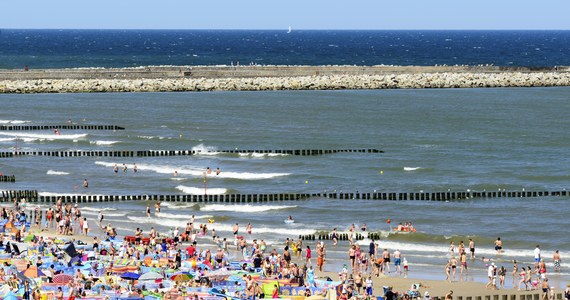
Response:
column 437, row 289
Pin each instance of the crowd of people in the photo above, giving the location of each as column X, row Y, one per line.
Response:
column 250, row 268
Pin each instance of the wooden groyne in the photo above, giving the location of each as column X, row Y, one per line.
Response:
column 153, row 153
column 7, row 178
column 19, row 194
column 33, row 196
column 340, row 236
column 59, row 127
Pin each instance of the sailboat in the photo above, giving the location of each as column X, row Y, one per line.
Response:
column 289, row 31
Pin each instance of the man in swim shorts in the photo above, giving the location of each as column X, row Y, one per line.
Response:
column 472, row 248
column 498, row 245
column 397, row 261
column 556, row 259
column 236, row 229
column 536, row 256
column 386, row 258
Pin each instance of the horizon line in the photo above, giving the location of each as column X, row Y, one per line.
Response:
column 279, row 29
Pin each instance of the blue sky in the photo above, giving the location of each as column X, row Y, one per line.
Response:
column 271, row 14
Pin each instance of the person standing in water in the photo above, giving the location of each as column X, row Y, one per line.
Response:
column 472, row 248
column 499, row 245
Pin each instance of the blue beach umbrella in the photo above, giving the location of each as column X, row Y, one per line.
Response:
column 130, row 276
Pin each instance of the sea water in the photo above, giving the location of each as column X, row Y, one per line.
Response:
column 434, row 140
column 132, row 48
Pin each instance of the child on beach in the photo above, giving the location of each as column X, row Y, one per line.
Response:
column 406, row 267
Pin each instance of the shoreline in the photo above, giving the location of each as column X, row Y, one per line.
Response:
column 272, row 78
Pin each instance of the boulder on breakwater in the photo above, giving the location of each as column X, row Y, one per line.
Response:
column 288, row 79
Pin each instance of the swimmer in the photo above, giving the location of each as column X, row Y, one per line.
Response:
column 115, row 168
column 175, row 174
column 236, row 230
column 124, row 168
column 498, row 245
column 85, row 183
column 208, row 170
column 135, row 168
column 218, row 171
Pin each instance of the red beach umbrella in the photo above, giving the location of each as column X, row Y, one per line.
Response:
column 62, row 278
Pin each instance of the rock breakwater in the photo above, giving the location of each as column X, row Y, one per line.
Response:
column 413, row 80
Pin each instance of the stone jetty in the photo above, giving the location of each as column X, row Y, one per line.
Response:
column 266, row 78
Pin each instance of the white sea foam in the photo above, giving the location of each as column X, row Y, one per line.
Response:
column 246, row 208
column 205, row 150
column 106, row 213
column 50, row 194
column 159, row 221
column 103, row 143
column 177, row 205
column 200, row 191
column 442, row 250
column 199, row 172
column 13, row 122
column 28, row 137
column 408, row 169
column 98, row 209
column 261, row 155
column 52, row 172
column 285, row 231
column 184, row 216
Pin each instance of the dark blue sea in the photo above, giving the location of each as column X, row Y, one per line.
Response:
column 131, row 48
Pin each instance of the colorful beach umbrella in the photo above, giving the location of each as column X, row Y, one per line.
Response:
column 33, row 272
column 181, row 277
column 62, row 278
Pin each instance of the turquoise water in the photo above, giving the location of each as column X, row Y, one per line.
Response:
column 434, row 140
